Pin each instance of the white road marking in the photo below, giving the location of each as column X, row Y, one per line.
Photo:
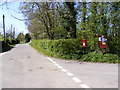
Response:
column 60, row 67
column 56, row 64
column 76, row 79
column 84, row 86
column 64, row 70
column 50, row 59
column 70, row 74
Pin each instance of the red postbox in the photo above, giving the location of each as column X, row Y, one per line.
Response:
column 83, row 42
column 102, row 41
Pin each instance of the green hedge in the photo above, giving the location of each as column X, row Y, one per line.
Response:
column 72, row 49
column 114, row 45
column 12, row 41
column 64, row 48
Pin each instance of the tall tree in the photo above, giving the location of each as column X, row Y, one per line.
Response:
column 72, row 19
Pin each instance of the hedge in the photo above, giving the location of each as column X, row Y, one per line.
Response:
column 72, row 49
column 68, row 49
column 8, row 44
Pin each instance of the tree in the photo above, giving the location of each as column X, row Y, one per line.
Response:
column 45, row 14
column 58, row 20
column 27, row 37
column 72, row 19
column 21, row 37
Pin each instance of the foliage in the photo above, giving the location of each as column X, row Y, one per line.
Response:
column 98, row 57
column 21, row 37
column 45, row 18
column 59, row 20
column 12, row 41
column 8, row 45
column 27, row 37
column 59, row 48
column 5, row 47
column 72, row 49
column 1, row 38
column 15, row 41
column 63, row 48
column 114, row 45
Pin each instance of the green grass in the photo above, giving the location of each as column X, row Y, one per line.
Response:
column 99, row 57
column 22, row 42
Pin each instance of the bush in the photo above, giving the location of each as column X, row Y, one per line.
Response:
column 72, row 49
column 63, row 48
column 114, row 45
column 8, row 41
column 17, row 41
column 12, row 41
column 98, row 57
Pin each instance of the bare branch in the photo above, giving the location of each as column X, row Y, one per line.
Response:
column 23, row 19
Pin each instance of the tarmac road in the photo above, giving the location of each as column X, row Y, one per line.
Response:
column 24, row 67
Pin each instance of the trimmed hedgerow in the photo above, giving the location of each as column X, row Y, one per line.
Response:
column 72, row 49
column 63, row 48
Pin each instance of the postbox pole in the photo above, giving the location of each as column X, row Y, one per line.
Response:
column 102, row 51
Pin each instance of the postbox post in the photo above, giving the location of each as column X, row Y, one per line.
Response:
column 102, row 42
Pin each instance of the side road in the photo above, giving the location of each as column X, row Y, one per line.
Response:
column 95, row 75
column 24, row 67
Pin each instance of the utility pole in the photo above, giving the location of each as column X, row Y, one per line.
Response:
column 4, row 27
column 11, row 34
column 14, row 33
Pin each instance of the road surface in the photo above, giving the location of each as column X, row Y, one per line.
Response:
column 24, row 67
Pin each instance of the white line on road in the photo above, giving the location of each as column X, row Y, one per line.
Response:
column 64, row 70
column 84, row 86
column 54, row 62
column 70, row 74
column 60, row 67
column 50, row 59
column 76, row 79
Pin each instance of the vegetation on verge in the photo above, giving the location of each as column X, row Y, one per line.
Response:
column 72, row 49
column 9, row 43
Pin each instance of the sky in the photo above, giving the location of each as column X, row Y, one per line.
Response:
column 12, row 8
